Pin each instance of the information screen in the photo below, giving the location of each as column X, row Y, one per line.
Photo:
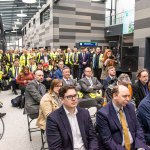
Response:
column 88, row 44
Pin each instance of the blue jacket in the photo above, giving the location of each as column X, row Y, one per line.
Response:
column 143, row 114
column 58, row 74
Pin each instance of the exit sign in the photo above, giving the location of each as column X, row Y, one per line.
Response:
column 88, row 44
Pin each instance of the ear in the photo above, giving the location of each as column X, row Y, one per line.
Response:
column 115, row 95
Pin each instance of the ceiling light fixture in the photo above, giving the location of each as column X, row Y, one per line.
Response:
column 22, row 14
column 29, row 1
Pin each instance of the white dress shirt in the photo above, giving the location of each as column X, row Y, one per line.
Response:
column 76, row 134
column 90, row 80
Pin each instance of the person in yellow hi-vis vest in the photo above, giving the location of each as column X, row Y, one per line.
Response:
column 13, row 73
column 32, row 65
column 75, row 63
column 68, row 56
column 11, row 56
column 41, row 53
column 24, row 58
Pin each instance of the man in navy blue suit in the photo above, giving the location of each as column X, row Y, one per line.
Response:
column 117, row 124
column 143, row 114
column 83, row 61
column 58, row 72
column 70, row 127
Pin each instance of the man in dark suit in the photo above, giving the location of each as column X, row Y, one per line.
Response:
column 143, row 115
column 111, row 78
column 45, row 57
column 89, row 84
column 67, row 80
column 117, row 124
column 142, row 87
column 33, row 94
column 70, row 127
column 83, row 61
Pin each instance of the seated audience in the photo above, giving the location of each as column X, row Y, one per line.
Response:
column 33, row 94
column 49, row 103
column 67, row 80
column 123, row 79
column 70, row 127
column 58, row 72
column 48, row 76
column 142, row 87
column 117, row 124
column 24, row 77
column 13, row 73
column 143, row 114
column 111, row 78
column 89, row 84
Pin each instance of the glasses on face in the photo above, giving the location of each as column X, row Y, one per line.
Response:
column 70, row 97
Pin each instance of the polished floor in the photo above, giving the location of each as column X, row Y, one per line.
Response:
column 16, row 135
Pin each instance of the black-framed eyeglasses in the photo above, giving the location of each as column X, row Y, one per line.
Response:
column 70, row 97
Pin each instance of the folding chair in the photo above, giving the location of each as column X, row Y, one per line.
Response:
column 30, row 129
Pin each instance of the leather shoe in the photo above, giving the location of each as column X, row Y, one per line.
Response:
column 2, row 115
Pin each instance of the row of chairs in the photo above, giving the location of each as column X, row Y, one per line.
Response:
column 91, row 104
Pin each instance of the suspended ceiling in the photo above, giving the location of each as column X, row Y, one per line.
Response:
column 10, row 8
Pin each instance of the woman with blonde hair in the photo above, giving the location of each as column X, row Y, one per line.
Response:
column 49, row 103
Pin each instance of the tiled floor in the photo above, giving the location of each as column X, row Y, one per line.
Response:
column 16, row 135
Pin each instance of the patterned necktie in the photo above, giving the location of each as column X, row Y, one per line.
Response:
column 125, row 130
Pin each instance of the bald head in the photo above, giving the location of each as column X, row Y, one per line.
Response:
column 39, row 75
column 121, row 95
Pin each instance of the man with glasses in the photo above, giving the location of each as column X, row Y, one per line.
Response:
column 70, row 127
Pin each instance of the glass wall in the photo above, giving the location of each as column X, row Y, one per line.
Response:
column 120, row 11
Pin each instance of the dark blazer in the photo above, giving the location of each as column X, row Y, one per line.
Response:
column 59, row 134
column 81, row 60
column 110, row 129
column 72, row 82
column 86, row 86
column 143, row 115
column 138, row 92
column 42, row 57
column 33, row 97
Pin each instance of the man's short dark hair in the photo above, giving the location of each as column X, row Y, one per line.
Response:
column 64, row 89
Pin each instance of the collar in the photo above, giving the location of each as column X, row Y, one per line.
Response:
column 68, row 113
column 111, row 77
column 89, row 78
column 67, row 79
column 116, row 107
column 54, row 95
